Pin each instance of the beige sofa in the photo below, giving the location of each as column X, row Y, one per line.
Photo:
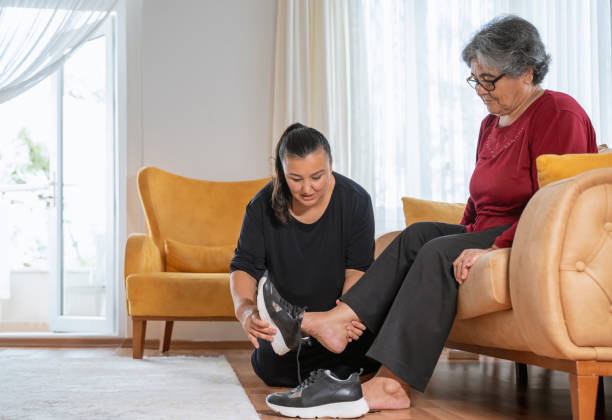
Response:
column 547, row 301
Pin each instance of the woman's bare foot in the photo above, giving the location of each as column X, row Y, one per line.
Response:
column 329, row 328
column 386, row 391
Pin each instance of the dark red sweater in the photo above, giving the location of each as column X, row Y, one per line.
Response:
column 505, row 176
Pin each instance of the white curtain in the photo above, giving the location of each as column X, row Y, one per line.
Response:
column 36, row 36
column 312, row 76
column 5, row 264
column 385, row 82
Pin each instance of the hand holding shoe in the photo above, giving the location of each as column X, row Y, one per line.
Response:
column 254, row 327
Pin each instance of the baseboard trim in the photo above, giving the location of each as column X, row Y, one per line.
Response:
column 120, row 342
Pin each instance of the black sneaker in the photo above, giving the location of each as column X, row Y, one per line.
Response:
column 285, row 317
column 321, row 395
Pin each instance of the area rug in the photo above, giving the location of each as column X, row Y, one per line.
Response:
column 175, row 387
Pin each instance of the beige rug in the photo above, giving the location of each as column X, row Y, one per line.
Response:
column 175, row 387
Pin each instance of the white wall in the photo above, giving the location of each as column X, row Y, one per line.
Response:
column 208, row 69
column 199, row 81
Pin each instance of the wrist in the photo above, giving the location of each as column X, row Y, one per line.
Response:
column 245, row 310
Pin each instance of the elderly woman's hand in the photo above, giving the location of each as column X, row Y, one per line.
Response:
column 466, row 260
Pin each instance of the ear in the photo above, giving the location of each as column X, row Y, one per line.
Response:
column 528, row 76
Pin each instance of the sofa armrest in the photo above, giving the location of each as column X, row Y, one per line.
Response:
column 142, row 255
column 561, row 270
column 486, row 289
column 383, row 241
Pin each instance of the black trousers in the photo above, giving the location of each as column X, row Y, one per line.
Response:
column 277, row 370
column 408, row 297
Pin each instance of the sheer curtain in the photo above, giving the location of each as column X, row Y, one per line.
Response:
column 413, row 119
column 312, row 74
column 36, row 36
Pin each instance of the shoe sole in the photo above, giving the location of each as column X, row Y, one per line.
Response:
column 278, row 343
column 342, row 410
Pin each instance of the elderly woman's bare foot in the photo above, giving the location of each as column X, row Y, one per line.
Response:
column 329, row 328
column 386, row 391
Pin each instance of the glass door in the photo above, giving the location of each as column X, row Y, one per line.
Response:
column 57, row 198
column 28, row 140
column 84, row 219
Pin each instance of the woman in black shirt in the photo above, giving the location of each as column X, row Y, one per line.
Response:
column 311, row 232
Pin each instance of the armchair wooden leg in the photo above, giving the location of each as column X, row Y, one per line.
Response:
column 583, row 390
column 164, row 341
column 139, row 330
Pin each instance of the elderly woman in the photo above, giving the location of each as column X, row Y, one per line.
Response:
column 408, row 297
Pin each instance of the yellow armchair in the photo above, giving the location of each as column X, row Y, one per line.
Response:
column 179, row 270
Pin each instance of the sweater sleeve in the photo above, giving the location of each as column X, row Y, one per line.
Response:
column 560, row 133
column 360, row 248
column 250, row 253
column 469, row 215
column 566, row 133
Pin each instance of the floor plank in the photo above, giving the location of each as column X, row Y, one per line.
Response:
column 460, row 389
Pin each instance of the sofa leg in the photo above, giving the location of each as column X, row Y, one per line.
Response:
column 583, row 390
column 521, row 375
column 600, row 408
column 164, row 341
column 139, row 331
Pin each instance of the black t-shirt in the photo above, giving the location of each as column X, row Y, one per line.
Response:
column 306, row 262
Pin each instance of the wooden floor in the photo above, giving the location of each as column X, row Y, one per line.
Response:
column 460, row 389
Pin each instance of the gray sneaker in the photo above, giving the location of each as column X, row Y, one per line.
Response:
column 321, row 395
column 285, row 317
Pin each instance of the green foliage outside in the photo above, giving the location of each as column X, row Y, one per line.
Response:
column 24, row 161
column 38, row 162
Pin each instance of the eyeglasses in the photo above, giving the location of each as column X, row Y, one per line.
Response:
column 488, row 85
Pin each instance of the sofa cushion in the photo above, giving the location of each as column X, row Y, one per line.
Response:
column 499, row 329
column 416, row 210
column 553, row 168
column 179, row 294
column 486, row 290
column 185, row 258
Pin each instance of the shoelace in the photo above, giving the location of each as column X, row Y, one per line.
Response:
column 310, row 380
column 293, row 310
column 296, row 312
column 313, row 377
column 297, row 358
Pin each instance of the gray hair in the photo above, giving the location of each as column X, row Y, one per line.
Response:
column 511, row 45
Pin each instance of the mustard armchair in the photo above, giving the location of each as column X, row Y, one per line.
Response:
column 179, row 269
